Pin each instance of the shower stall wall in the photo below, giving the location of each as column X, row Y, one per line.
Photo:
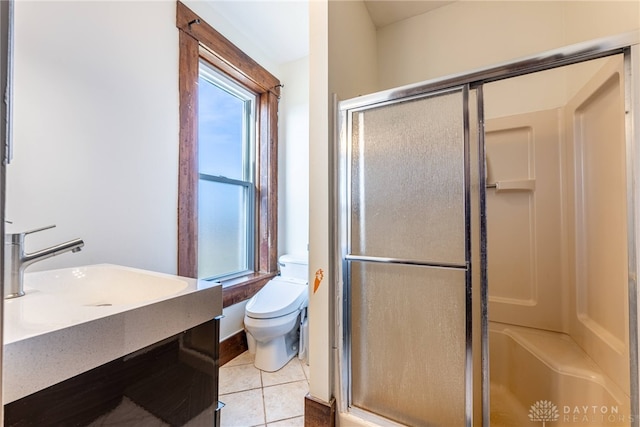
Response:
column 557, row 244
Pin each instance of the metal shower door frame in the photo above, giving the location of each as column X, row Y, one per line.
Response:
column 627, row 44
column 345, row 247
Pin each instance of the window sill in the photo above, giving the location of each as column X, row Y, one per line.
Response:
column 242, row 288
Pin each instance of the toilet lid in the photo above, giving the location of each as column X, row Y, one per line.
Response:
column 279, row 297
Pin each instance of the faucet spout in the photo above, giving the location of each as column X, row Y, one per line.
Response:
column 17, row 260
column 70, row 246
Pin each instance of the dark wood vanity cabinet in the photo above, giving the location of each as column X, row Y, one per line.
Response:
column 173, row 382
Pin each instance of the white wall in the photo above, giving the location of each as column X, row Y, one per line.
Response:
column 353, row 62
column 466, row 35
column 96, row 130
column 216, row 18
column 479, row 34
column 293, row 185
column 319, row 319
column 585, row 20
column 342, row 62
column 233, row 320
column 463, row 36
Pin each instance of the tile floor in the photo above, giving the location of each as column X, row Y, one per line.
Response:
column 267, row 399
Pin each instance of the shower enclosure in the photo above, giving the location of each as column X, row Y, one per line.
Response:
column 420, row 174
column 557, row 245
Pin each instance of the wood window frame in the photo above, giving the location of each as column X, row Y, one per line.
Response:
column 198, row 40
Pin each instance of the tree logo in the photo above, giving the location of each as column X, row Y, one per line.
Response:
column 543, row 410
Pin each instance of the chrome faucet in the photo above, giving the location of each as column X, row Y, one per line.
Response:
column 16, row 260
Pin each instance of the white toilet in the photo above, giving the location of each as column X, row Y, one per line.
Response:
column 273, row 316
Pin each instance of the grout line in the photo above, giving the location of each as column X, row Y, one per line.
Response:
column 264, row 405
column 287, row 419
column 287, row 382
column 240, row 391
column 226, row 365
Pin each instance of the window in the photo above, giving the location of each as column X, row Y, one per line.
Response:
column 227, row 202
column 226, row 164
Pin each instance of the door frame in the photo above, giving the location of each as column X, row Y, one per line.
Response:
column 627, row 44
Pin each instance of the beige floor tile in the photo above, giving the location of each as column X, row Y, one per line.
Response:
column 290, row 372
column 291, row 422
column 243, row 409
column 243, row 359
column 280, row 401
column 305, row 368
column 238, row 378
column 285, row 401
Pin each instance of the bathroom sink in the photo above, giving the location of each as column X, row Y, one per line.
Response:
column 102, row 285
column 56, row 299
column 72, row 320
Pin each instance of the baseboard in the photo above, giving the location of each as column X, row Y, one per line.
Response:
column 318, row 413
column 232, row 347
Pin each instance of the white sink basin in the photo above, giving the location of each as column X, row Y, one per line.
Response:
column 102, row 285
column 56, row 299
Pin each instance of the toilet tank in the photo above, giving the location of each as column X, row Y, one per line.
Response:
column 295, row 266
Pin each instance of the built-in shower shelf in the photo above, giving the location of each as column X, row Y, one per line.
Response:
column 515, row 185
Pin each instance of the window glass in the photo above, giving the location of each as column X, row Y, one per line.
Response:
column 222, row 229
column 224, row 128
column 226, row 187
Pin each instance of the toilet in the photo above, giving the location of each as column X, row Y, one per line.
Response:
column 274, row 315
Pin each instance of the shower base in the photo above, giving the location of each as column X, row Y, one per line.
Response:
column 540, row 376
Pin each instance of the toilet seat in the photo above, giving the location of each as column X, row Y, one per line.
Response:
column 279, row 297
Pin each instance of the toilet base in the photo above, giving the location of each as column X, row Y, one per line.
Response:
column 274, row 354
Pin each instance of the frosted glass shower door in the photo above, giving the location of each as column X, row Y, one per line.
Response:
column 405, row 259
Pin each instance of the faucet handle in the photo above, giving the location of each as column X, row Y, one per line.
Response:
column 18, row 238
column 38, row 229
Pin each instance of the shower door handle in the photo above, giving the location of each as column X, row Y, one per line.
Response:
column 515, row 185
